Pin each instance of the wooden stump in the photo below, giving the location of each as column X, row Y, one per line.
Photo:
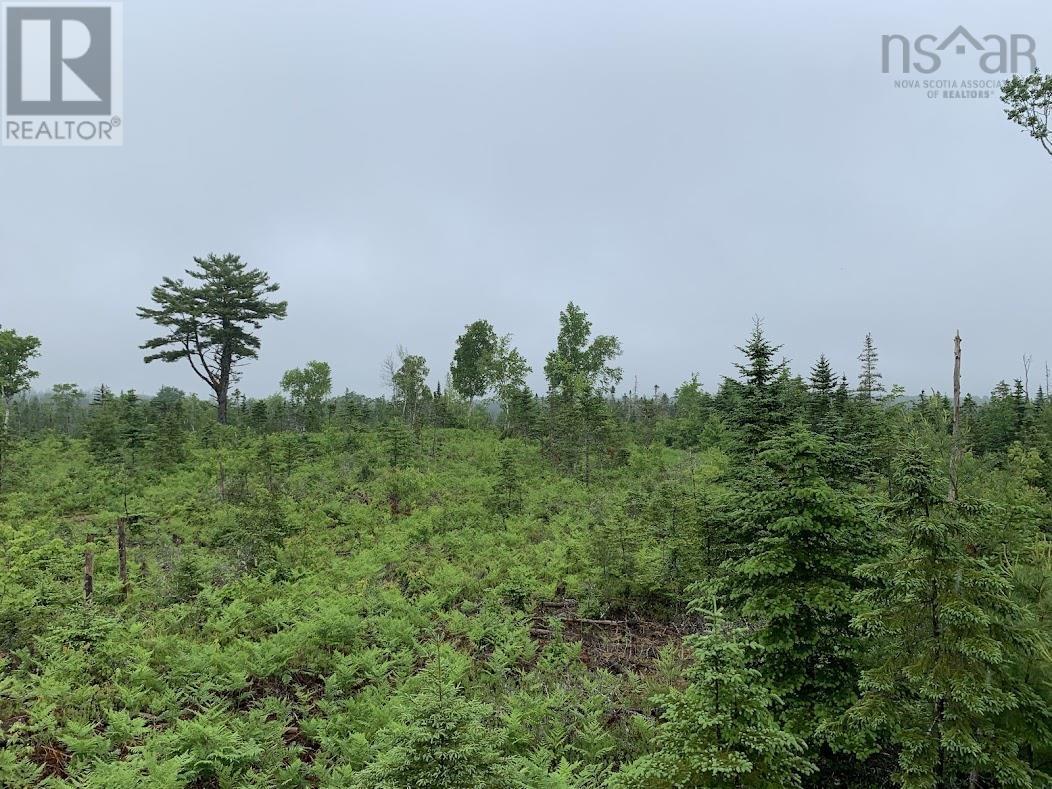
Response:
column 89, row 571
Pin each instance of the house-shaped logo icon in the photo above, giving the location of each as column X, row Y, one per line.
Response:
column 961, row 33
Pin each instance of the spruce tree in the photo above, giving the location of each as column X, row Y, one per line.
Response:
column 441, row 740
column 822, row 380
column 523, row 413
column 506, row 495
column 134, row 426
column 722, row 730
column 801, row 540
column 945, row 635
column 167, row 412
column 869, row 378
column 822, row 388
column 759, row 413
column 257, row 416
column 398, row 443
column 1021, row 412
column 105, row 440
column 997, row 421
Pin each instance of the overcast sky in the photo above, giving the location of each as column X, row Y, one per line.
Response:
column 403, row 168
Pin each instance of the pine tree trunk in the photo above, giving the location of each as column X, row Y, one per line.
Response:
column 226, row 366
column 221, row 405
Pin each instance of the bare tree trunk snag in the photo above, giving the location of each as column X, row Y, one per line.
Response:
column 89, row 571
column 955, row 452
column 122, row 556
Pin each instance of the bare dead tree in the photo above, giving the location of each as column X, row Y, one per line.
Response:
column 955, row 451
column 122, row 555
column 387, row 375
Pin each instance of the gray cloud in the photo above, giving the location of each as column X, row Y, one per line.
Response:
column 674, row 167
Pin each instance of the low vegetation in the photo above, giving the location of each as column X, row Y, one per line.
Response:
column 788, row 581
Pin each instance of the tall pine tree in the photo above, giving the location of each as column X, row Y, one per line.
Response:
column 213, row 324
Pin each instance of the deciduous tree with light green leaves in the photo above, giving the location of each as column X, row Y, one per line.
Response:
column 66, row 398
column 484, row 362
column 307, row 388
column 1028, row 103
column 15, row 377
column 580, row 371
column 15, row 373
column 474, row 359
column 581, row 365
column 407, row 378
column 508, row 376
